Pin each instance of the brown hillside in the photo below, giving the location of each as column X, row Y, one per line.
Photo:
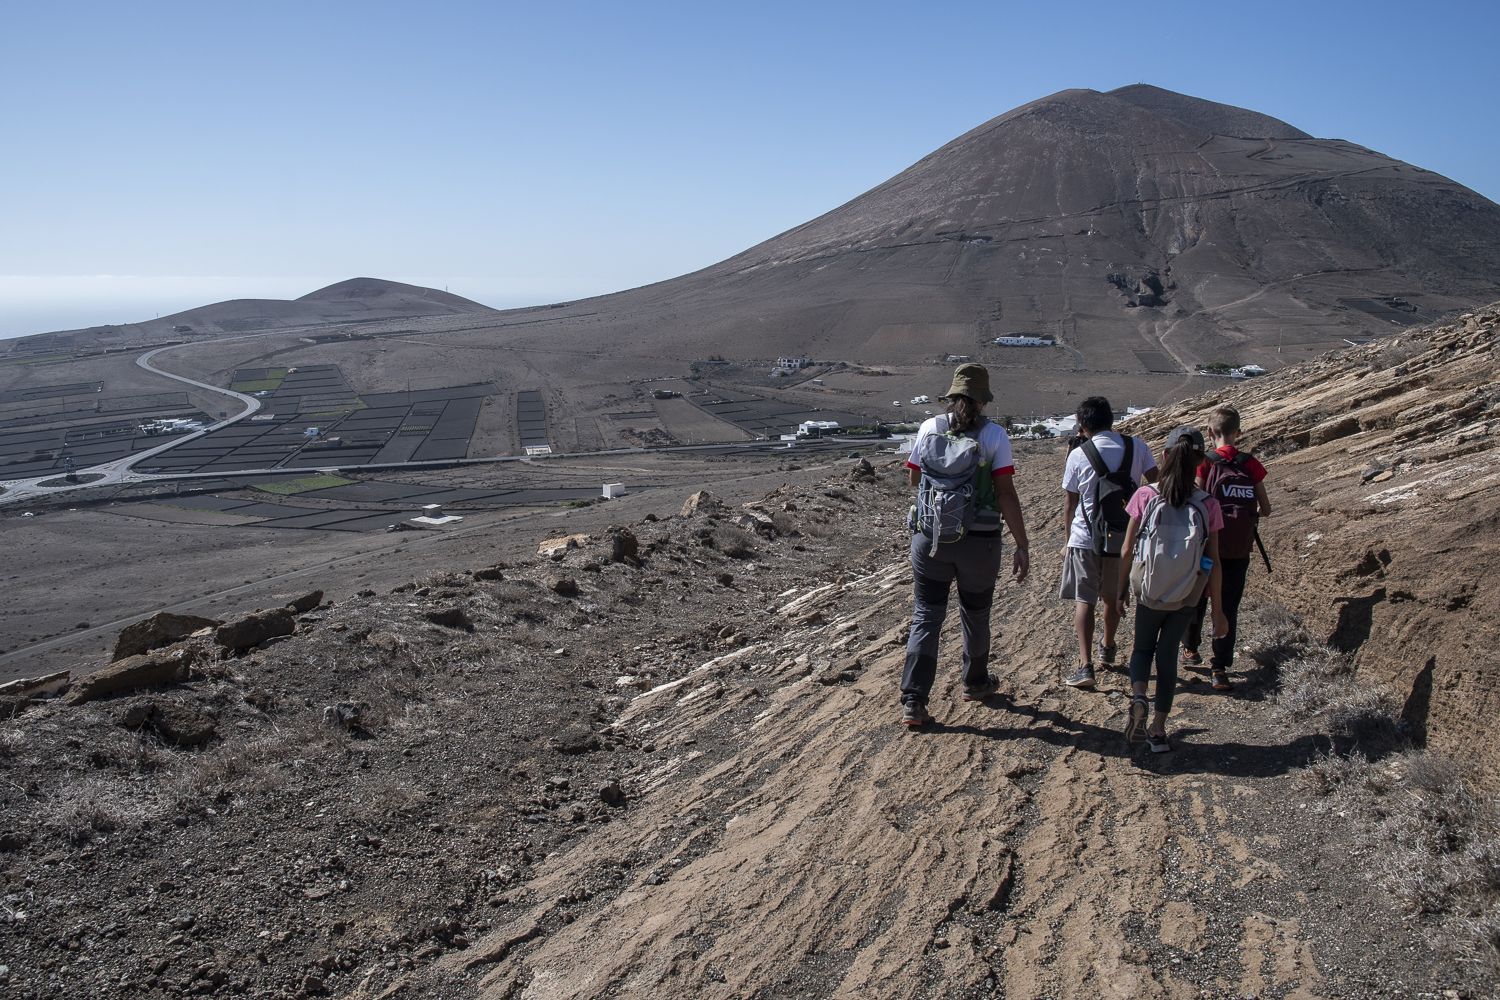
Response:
column 1384, row 472
column 1134, row 220
column 356, row 300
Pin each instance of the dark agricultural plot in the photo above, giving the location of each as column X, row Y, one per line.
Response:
column 51, row 391
column 425, row 425
column 25, row 453
column 531, row 419
column 398, row 502
column 764, row 417
column 1157, row 361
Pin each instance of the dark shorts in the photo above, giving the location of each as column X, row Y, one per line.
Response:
column 1086, row 575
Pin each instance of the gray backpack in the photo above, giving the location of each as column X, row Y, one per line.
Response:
column 1167, row 573
column 947, row 495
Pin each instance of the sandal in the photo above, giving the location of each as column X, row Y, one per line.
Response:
column 1221, row 681
column 1191, row 657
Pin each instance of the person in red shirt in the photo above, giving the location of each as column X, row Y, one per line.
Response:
column 1236, row 479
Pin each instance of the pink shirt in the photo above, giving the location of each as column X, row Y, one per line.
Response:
column 1136, row 508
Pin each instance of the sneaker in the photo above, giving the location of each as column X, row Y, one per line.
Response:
column 1135, row 726
column 1191, row 657
column 1158, row 743
column 1106, row 655
column 1221, row 681
column 914, row 715
column 979, row 692
column 1083, row 677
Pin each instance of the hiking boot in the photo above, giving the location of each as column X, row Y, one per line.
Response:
column 1221, row 681
column 1191, row 657
column 914, row 715
column 1106, row 655
column 1083, row 677
column 979, row 692
column 1158, row 743
column 1135, row 726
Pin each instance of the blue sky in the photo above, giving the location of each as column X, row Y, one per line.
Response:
column 162, row 155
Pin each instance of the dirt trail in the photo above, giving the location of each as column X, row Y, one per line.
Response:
column 799, row 843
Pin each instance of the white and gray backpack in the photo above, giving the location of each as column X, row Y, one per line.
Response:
column 947, row 496
column 1167, row 572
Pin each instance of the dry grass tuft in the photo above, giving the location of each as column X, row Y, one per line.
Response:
column 1436, row 838
column 1322, row 684
column 12, row 743
column 95, row 807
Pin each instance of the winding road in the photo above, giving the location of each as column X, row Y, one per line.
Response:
column 120, row 472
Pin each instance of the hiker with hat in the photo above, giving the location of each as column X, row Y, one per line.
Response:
column 1173, row 538
column 961, row 465
column 1100, row 475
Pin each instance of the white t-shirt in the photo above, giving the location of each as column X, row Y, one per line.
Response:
column 994, row 444
column 1079, row 476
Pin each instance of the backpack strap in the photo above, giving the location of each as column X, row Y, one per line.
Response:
column 1095, row 459
column 1127, row 463
column 1240, row 460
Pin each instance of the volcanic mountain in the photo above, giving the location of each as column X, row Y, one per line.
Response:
column 352, row 301
column 1138, row 226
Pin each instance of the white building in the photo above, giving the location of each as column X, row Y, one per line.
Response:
column 816, row 428
column 1024, row 340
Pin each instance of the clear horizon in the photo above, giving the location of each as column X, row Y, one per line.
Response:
column 168, row 155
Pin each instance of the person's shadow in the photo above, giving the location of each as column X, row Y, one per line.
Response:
column 1189, row 756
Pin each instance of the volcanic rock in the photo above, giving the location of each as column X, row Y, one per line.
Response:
column 702, row 502
column 307, row 602
column 161, row 629
column 160, row 666
column 175, row 722
column 26, row 689
column 250, row 631
column 556, row 548
column 623, row 545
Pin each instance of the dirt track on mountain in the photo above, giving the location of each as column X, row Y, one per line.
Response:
column 797, row 842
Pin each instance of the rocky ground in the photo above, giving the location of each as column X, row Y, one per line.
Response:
column 662, row 759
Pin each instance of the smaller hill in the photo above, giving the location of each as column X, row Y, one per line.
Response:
column 373, row 292
column 352, row 301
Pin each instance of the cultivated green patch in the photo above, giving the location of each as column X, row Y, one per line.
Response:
column 303, row 484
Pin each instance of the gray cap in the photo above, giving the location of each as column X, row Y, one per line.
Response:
column 1185, row 433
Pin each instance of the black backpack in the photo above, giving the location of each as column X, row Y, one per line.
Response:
column 1112, row 491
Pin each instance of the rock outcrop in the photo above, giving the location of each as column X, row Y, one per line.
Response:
column 254, row 629
column 1384, row 466
column 153, row 669
column 161, row 629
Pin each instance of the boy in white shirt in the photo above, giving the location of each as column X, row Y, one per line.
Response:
column 1101, row 475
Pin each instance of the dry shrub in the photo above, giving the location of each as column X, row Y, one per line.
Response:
column 96, row 806
column 1279, row 635
column 1435, row 838
column 734, row 541
column 12, row 742
column 128, row 752
column 1322, row 684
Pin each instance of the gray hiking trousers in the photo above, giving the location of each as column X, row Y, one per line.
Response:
column 974, row 563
